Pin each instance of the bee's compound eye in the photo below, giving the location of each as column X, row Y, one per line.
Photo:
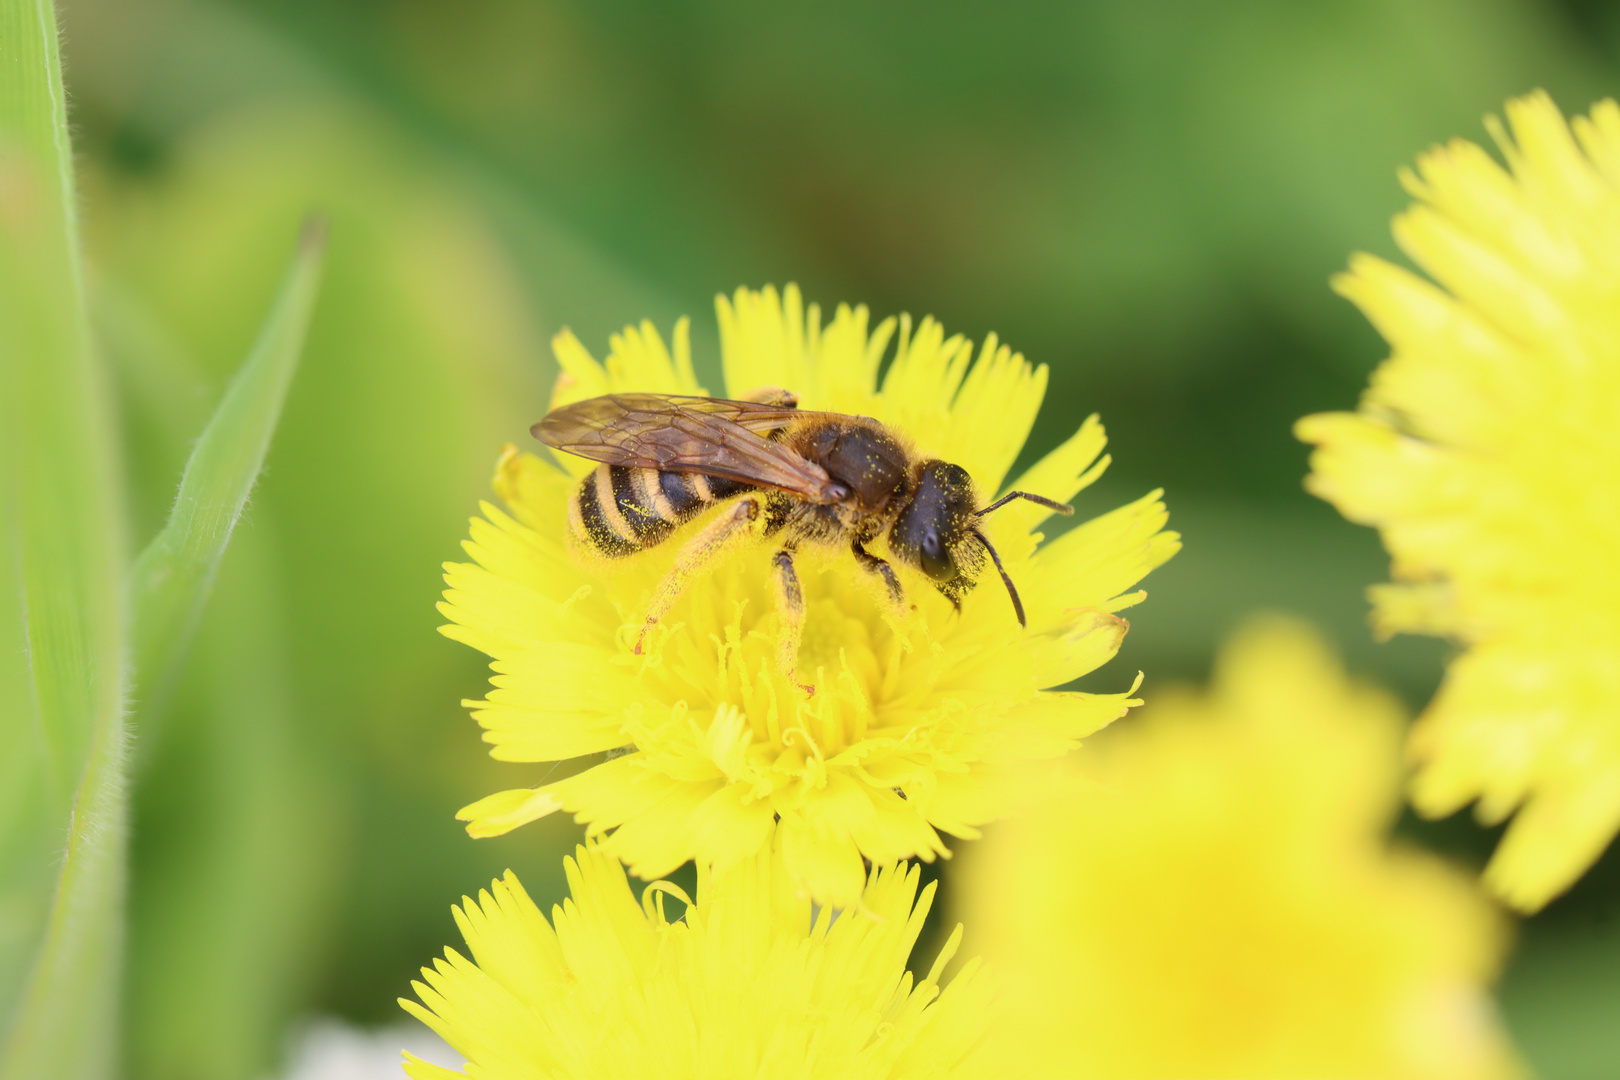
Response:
column 935, row 563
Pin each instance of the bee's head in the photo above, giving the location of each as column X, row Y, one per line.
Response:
column 935, row 531
column 938, row 531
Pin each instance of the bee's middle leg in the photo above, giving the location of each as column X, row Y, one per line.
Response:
column 885, row 573
column 790, row 606
column 698, row 555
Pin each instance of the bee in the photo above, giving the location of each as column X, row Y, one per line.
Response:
column 799, row 477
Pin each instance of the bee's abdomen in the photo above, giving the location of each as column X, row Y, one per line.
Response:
column 620, row 510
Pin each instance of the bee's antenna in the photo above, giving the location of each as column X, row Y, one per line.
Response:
column 1040, row 500
column 1018, row 605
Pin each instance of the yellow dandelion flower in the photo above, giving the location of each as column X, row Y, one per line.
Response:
column 748, row 983
column 1487, row 453
column 711, row 748
column 1210, row 893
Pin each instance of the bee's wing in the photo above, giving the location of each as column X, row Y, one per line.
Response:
column 753, row 415
column 686, row 435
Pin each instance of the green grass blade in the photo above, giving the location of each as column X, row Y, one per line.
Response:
column 171, row 579
column 61, row 679
column 228, row 907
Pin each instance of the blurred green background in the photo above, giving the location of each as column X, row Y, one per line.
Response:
column 1148, row 197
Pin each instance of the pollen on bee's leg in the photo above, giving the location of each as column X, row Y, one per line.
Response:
column 698, row 557
column 772, row 395
column 647, row 628
column 790, row 609
column 650, row 641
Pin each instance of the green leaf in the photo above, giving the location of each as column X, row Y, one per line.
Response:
column 62, row 807
column 170, row 581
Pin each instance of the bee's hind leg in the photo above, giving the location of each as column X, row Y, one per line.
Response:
column 697, row 556
column 885, row 573
column 790, row 606
column 772, row 395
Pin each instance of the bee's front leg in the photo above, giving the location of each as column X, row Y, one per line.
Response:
column 790, row 606
column 874, row 565
column 697, row 556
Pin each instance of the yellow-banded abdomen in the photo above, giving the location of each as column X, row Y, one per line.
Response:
column 620, row 510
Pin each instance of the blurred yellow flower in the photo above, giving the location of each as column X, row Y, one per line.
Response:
column 1210, row 893
column 1487, row 453
column 747, row 984
column 712, row 749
